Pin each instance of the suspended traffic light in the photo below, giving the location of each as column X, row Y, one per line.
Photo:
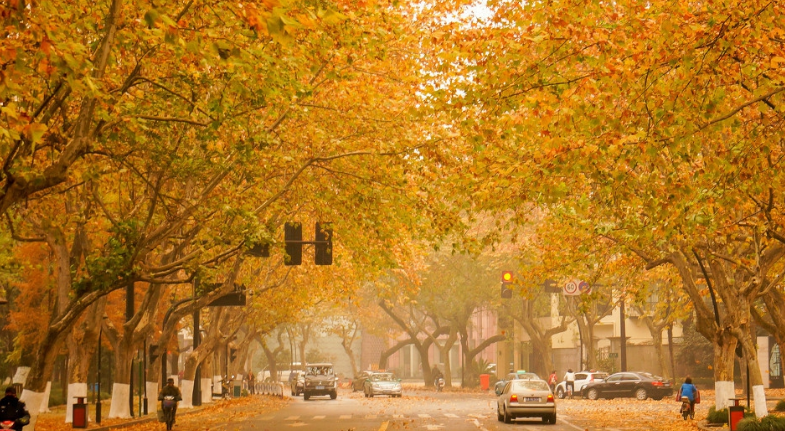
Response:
column 506, row 284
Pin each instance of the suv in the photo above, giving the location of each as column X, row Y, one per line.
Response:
column 320, row 380
column 297, row 382
column 582, row 378
column 519, row 375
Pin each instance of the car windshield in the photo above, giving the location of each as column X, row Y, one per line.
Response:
column 317, row 370
column 530, row 385
column 526, row 376
column 386, row 377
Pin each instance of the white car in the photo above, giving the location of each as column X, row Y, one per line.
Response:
column 582, row 379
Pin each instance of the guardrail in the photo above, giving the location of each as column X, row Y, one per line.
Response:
column 271, row 388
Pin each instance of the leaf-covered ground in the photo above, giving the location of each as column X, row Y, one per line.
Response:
column 211, row 415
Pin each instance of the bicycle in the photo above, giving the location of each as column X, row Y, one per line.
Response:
column 167, row 405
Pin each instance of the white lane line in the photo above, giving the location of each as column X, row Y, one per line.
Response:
column 345, row 417
column 292, row 418
column 479, row 425
column 424, row 415
column 450, row 415
column 384, row 426
column 370, row 416
column 397, row 416
column 560, row 420
column 319, row 417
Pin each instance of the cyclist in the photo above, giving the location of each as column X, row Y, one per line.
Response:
column 169, row 397
column 13, row 410
column 688, row 390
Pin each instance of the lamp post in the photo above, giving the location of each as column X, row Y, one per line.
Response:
column 98, row 377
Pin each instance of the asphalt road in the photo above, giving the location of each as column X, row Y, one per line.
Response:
column 419, row 410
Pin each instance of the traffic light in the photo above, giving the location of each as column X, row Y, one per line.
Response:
column 293, row 236
column 324, row 244
column 506, row 284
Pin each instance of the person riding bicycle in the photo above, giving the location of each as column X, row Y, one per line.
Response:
column 569, row 379
column 688, row 390
column 436, row 373
column 170, row 390
column 11, row 409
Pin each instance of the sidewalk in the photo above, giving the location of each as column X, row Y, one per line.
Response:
column 55, row 421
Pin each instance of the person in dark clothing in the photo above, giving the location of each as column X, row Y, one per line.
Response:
column 173, row 391
column 11, row 409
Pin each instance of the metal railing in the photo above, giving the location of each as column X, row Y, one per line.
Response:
column 270, row 388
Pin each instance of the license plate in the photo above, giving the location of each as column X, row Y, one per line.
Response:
column 532, row 399
column 319, row 388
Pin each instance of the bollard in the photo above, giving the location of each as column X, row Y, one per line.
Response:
column 79, row 413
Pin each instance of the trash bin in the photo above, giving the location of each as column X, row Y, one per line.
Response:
column 79, row 413
column 485, row 381
column 237, row 390
column 735, row 414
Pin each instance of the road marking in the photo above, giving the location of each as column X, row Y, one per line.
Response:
column 384, row 426
column 298, row 424
column 345, row 417
column 424, row 415
column 397, row 416
column 477, row 416
column 450, row 415
column 434, row 427
column 479, row 425
column 292, row 418
column 370, row 416
column 319, row 417
column 574, row 426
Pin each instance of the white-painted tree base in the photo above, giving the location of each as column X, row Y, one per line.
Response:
column 74, row 390
column 152, row 397
column 45, row 401
column 217, row 385
column 33, row 401
column 187, row 389
column 20, row 376
column 119, row 407
column 723, row 391
column 207, row 391
column 759, row 395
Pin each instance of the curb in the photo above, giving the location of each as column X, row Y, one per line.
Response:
column 704, row 426
column 148, row 418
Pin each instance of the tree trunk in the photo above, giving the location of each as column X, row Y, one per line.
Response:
column 389, row 352
column 121, row 387
column 82, row 343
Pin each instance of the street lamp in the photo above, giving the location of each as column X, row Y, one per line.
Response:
column 98, row 377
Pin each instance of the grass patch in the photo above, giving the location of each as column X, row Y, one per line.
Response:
column 767, row 423
column 717, row 416
column 780, row 407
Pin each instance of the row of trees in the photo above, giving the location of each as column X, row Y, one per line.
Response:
column 654, row 128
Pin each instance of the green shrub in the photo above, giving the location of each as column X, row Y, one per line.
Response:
column 780, row 407
column 717, row 417
column 768, row 423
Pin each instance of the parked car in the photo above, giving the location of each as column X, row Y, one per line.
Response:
column 297, row 382
column 582, row 379
column 320, row 380
column 526, row 398
column 358, row 383
column 639, row 384
column 520, row 375
column 382, row 384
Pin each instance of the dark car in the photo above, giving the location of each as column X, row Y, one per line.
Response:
column 519, row 375
column 359, row 380
column 639, row 384
column 320, row 380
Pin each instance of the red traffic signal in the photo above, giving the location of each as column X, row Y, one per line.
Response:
column 506, row 276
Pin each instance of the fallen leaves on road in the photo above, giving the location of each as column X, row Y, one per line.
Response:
column 221, row 413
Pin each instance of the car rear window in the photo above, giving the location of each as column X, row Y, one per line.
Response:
column 580, row 376
column 532, row 385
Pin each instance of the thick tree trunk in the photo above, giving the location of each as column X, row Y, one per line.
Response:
column 385, row 355
column 724, row 357
column 121, row 387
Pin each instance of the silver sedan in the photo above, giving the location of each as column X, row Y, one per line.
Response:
column 382, row 384
column 524, row 399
